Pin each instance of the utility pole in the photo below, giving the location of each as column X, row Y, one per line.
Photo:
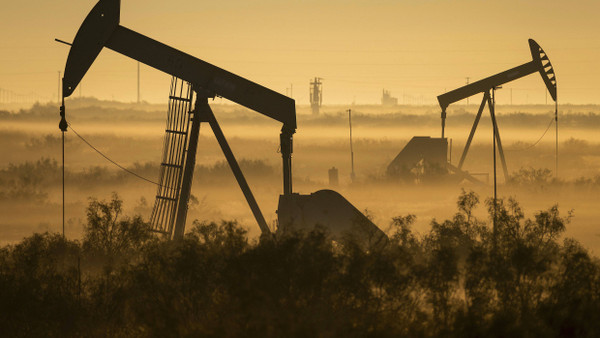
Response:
column 58, row 92
column 352, row 175
column 494, row 128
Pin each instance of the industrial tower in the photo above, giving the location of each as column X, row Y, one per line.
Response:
column 316, row 95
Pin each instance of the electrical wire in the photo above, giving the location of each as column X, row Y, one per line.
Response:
column 536, row 142
column 115, row 163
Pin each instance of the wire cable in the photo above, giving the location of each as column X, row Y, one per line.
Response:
column 115, row 163
column 536, row 142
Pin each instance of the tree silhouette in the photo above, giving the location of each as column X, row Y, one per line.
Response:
column 456, row 279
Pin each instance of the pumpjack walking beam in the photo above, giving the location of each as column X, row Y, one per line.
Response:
column 101, row 29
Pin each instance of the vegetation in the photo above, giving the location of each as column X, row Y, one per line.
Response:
column 32, row 180
column 461, row 278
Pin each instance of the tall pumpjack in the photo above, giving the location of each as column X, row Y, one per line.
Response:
column 101, row 29
column 539, row 63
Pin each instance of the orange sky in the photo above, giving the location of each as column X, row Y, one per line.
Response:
column 415, row 48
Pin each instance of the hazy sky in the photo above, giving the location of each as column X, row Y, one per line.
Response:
column 416, row 48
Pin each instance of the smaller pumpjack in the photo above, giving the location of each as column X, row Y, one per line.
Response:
column 539, row 63
column 327, row 208
column 434, row 150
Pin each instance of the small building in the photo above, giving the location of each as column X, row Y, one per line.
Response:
column 422, row 155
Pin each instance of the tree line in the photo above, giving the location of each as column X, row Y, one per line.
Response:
column 461, row 278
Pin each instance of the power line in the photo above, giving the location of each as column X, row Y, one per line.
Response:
column 115, row 163
column 538, row 141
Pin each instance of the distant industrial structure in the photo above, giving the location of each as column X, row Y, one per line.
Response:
column 387, row 100
column 316, row 95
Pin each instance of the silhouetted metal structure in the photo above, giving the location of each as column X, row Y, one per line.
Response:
column 101, row 29
column 539, row 63
column 194, row 77
column 170, row 206
column 316, row 95
column 432, row 152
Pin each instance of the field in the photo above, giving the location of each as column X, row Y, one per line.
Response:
column 131, row 134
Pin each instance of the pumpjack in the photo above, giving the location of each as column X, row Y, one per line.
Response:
column 101, row 28
column 434, row 150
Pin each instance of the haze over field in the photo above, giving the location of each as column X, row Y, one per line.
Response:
column 132, row 134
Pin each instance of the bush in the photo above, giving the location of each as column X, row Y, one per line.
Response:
column 461, row 278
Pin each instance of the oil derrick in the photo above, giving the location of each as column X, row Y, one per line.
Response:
column 316, row 95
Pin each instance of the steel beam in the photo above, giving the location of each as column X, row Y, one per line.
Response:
column 208, row 115
column 475, row 124
column 488, row 83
